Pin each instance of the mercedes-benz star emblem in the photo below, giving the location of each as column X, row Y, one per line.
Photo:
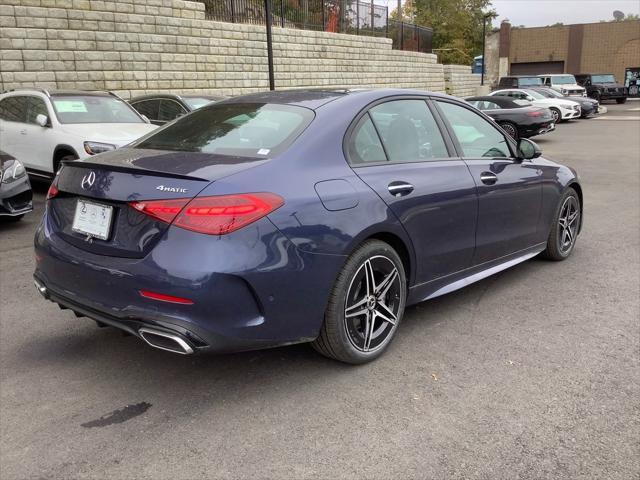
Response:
column 88, row 179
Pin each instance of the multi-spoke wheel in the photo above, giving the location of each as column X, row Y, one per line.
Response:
column 557, row 116
column 510, row 128
column 365, row 306
column 565, row 228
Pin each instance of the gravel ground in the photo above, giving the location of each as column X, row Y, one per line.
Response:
column 532, row 373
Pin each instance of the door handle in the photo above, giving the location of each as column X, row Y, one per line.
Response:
column 400, row 189
column 488, row 178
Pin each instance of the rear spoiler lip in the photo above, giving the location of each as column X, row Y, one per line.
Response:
column 132, row 170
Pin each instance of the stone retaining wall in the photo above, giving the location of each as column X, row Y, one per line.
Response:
column 460, row 81
column 142, row 46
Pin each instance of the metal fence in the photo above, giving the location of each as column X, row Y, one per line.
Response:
column 340, row 16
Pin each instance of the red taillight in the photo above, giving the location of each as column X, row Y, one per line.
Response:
column 536, row 113
column 52, row 192
column 165, row 210
column 165, row 298
column 216, row 215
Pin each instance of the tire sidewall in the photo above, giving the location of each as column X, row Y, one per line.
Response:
column 335, row 311
column 556, row 250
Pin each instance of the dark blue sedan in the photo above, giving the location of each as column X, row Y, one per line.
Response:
column 300, row 216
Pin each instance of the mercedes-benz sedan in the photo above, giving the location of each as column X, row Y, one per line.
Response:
column 301, row 216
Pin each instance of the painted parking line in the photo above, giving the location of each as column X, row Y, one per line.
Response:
column 633, row 109
column 627, row 119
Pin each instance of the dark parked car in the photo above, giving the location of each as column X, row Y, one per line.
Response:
column 519, row 81
column 602, row 86
column 298, row 216
column 517, row 117
column 15, row 189
column 588, row 106
column 165, row 107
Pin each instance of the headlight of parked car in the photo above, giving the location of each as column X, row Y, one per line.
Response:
column 564, row 91
column 12, row 170
column 93, row 148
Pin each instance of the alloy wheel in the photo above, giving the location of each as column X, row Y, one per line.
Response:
column 510, row 129
column 372, row 304
column 568, row 223
column 556, row 115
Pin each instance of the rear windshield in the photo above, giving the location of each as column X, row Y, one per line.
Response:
column 255, row 130
column 93, row 109
column 196, row 102
column 529, row 81
column 603, row 79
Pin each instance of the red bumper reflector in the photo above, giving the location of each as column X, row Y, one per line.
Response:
column 161, row 297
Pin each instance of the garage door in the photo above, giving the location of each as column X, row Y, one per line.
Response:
column 536, row 68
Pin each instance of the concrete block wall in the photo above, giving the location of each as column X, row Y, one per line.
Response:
column 460, row 81
column 143, row 46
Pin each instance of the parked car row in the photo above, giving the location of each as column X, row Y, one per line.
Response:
column 534, row 110
column 600, row 87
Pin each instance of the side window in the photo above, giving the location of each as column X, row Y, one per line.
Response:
column 476, row 136
column 364, row 145
column 408, row 130
column 14, row 109
column 148, row 108
column 170, row 110
column 36, row 106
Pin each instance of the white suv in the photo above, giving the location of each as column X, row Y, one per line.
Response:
column 42, row 128
column 564, row 83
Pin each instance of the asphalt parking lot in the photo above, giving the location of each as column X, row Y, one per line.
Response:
column 533, row 373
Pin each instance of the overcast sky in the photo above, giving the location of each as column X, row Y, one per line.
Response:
column 534, row 13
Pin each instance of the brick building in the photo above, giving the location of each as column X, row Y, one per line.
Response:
column 605, row 47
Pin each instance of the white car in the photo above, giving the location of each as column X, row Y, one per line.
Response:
column 564, row 83
column 44, row 128
column 560, row 108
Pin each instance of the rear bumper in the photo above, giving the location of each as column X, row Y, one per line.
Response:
column 250, row 289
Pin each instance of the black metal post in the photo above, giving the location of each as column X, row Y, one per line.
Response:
column 282, row 13
column 484, row 42
column 372, row 19
column 401, row 35
column 233, row 11
column 357, row 17
column 268, row 20
column 323, row 20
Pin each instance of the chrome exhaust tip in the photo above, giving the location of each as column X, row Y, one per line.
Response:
column 165, row 341
column 41, row 288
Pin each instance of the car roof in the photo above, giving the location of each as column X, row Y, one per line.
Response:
column 176, row 96
column 520, row 76
column 316, row 98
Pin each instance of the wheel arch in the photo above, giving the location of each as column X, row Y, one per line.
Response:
column 60, row 151
column 398, row 244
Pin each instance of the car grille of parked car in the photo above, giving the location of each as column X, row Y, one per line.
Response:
column 575, row 92
column 615, row 90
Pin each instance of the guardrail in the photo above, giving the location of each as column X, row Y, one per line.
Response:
column 339, row 16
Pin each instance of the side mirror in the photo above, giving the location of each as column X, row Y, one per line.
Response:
column 528, row 150
column 42, row 120
column 529, row 98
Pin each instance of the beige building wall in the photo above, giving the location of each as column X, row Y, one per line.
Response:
column 142, row 46
column 610, row 48
column 543, row 44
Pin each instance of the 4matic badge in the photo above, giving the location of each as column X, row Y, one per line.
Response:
column 162, row 188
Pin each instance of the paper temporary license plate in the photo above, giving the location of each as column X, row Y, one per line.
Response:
column 92, row 219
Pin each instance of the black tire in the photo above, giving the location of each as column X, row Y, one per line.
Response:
column 620, row 101
column 596, row 96
column 557, row 116
column 557, row 247
column 511, row 129
column 339, row 335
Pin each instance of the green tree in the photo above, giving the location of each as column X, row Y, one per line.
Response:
column 457, row 26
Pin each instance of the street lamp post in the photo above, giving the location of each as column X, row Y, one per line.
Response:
column 484, row 41
column 268, row 21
